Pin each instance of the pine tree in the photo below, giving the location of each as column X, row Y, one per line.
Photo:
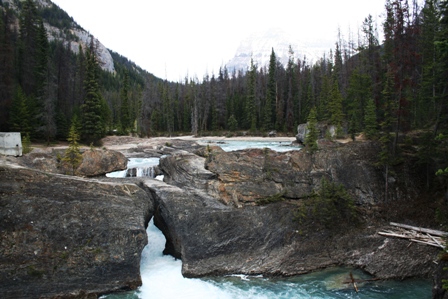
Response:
column 92, row 122
column 125, row 117
column 73, row 155
column 270, row 94
column 290, row 72
column 6, row 70
column 386, row 155
column 27, row 47
column 424, row 108
column 312, row 132
column 251, row 112
column 232, row 123
column 370, row 121
column 20, row 113
column 335, row 109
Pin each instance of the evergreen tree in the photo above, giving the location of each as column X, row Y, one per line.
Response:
column 386, row 156
column 92, row 122
column 20, row 114
column 424, row 108
column 312, row 133
column 270, row 94
column 290, row 72
column 232, row 123
column 251, row 112
column 27, row 46
column 358, row 93
column 125, row 117
column 370, row 122
column 6, row 69
column 335, row 109
column 73, row 155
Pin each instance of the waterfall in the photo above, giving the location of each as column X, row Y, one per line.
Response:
column 137, row 167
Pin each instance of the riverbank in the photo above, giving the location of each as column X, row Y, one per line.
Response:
column 208, row 209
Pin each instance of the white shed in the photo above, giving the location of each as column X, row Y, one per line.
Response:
column 10, row 144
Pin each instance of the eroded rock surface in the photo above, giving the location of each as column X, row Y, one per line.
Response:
column 245, row 177
column 68, row 237
column 213, row 238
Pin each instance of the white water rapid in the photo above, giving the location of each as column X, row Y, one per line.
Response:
column 162, row 279
column 137, row 167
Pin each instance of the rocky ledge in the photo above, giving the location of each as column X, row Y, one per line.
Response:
column 221, row 213
column 215, row 222
column 68, row 237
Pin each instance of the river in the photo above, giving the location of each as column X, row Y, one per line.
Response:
column 162, row 278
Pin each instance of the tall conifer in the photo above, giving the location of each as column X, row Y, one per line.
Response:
column 92, row 122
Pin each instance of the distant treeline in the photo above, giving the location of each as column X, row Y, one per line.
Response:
column 399, row 84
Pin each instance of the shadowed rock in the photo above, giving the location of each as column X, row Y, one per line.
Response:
column 69, row 237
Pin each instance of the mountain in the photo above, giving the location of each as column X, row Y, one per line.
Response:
column 259, row 45
column 60, row 26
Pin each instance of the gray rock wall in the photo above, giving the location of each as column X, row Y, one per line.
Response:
column 68, row 237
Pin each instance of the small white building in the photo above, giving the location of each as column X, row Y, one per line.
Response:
column 10, row 144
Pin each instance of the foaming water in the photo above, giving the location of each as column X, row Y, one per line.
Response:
column 162, row 279
column 144, row 167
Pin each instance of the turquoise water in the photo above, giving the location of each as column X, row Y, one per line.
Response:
column 234, row 145
column 162, row 279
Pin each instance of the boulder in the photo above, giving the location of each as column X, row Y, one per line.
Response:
column 94, row 162
column 69, row 237
column 100, row 162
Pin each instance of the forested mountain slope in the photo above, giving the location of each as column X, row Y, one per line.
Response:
column 392, row 89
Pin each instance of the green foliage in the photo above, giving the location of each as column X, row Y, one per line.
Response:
column 20, row 114
column 73, row 156
column 271, row 199
column 92, row 120
column 370, row 122
column 312, row 132
column 26, row 144
column 335, row 109
column 442, row 171
column 330, row 206
column 251, row 110
column 232, row 123
column 126, row 121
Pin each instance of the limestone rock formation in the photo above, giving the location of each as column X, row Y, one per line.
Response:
column 212, row 238
column 245, row 177
column 68, row 237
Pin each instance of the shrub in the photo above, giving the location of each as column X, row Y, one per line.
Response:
column 330, row 206
column 26, row 144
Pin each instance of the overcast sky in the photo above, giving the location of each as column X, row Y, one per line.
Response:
column 173, row 39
